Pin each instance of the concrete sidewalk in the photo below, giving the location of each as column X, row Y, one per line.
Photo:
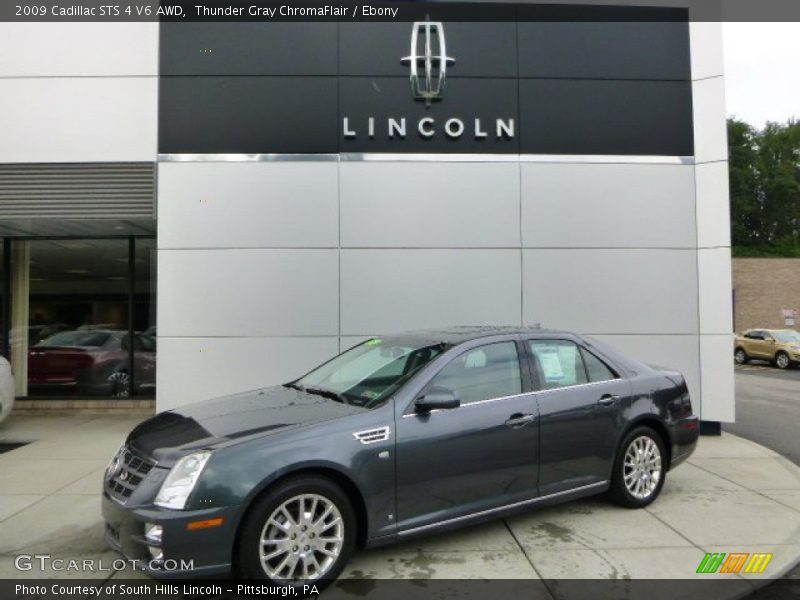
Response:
column 732, row 496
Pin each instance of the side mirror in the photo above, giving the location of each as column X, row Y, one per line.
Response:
column 437, row 398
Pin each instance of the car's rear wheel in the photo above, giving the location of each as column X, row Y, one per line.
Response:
column 301, row 532
column 782, row 360
column 639, row 470
column 740, row 356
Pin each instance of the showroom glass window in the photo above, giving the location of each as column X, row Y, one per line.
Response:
column 74, row 304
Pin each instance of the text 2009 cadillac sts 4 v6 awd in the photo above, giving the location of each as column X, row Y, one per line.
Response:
column 397, row 436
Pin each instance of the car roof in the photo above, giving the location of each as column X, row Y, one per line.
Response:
column 459, row 335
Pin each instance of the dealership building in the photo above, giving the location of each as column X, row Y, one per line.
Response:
column 244, row 200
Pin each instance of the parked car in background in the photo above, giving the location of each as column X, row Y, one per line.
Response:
column 93, row 362
column 397, row 436
column 781, row 347
column 6, row 389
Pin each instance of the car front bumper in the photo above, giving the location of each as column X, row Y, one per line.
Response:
column 186, row 553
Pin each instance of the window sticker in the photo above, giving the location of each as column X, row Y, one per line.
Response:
column 374, row 342
column 550, row 362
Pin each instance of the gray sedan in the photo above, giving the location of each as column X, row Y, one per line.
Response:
column 398, row 436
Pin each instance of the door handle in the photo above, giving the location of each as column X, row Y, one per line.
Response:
column 608, row 400
column 520, row 420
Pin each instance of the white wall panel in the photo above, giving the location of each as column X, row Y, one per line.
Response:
column 716, row 362
column 713, row 205
column 714, row 281
column 78, row 49
column 430, row 204
column 78, row 119
column 706, row 49
column 248, row 293
column 194, row 369
column 611, row 291
column 710, row 126
column 396, row 290
column 607, row 205
column 679, row 352
column 248, row 205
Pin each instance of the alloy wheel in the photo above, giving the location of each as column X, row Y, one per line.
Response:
column 740, row 357
column 121, row 384
column 782, row 361
column 301, row 539
column 642, row 467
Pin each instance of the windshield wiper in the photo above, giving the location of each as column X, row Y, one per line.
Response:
column 294, row 386
column 326, row 394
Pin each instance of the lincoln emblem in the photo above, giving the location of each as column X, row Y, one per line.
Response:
column 428, row 54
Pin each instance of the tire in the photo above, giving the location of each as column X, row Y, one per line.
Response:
column 740, row 356
column 636, row 484
column 292, row 559
column 782, row 360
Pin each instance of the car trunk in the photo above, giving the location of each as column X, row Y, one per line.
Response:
column 57, row 365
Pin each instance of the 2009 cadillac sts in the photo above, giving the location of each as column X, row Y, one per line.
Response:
column 397, row 436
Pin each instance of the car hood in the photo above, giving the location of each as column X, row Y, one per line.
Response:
column 221, row 420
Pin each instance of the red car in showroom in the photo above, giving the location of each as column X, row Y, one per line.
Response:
column 92, row 362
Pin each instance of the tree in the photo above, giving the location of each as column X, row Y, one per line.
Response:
column 765, row 188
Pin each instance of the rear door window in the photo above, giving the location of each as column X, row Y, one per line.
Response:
column 558, row 363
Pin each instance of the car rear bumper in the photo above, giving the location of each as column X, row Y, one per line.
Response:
column 684, row 434
column 186, row 553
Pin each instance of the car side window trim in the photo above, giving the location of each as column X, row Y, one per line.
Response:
column 533, row 393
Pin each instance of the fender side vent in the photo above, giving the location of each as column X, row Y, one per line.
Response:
column 370, row 436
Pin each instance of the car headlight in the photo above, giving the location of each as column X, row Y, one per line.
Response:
column 115, row 461
column 181, row 480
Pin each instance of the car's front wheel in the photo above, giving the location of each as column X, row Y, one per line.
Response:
column 300, row 532
column 782, row 360
column 639, row 470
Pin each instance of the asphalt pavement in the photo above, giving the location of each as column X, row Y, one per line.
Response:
column 768, row 408
column 768, row 412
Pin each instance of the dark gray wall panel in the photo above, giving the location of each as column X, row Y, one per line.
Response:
column 605, row 50
column 606, row 117
column 247, row 114
column 248, row 48
column 479, row 49
column 488, row 99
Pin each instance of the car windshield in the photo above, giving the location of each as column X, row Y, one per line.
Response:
column 787, row 336
column 84, row 339
column 369, row 373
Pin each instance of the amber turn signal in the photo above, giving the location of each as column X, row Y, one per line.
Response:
column 206, row 524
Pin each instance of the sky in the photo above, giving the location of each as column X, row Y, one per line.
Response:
column 762, row 71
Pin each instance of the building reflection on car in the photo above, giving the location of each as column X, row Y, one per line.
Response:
column 92, row 362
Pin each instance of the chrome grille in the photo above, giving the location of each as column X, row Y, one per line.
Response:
column 128, row 474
